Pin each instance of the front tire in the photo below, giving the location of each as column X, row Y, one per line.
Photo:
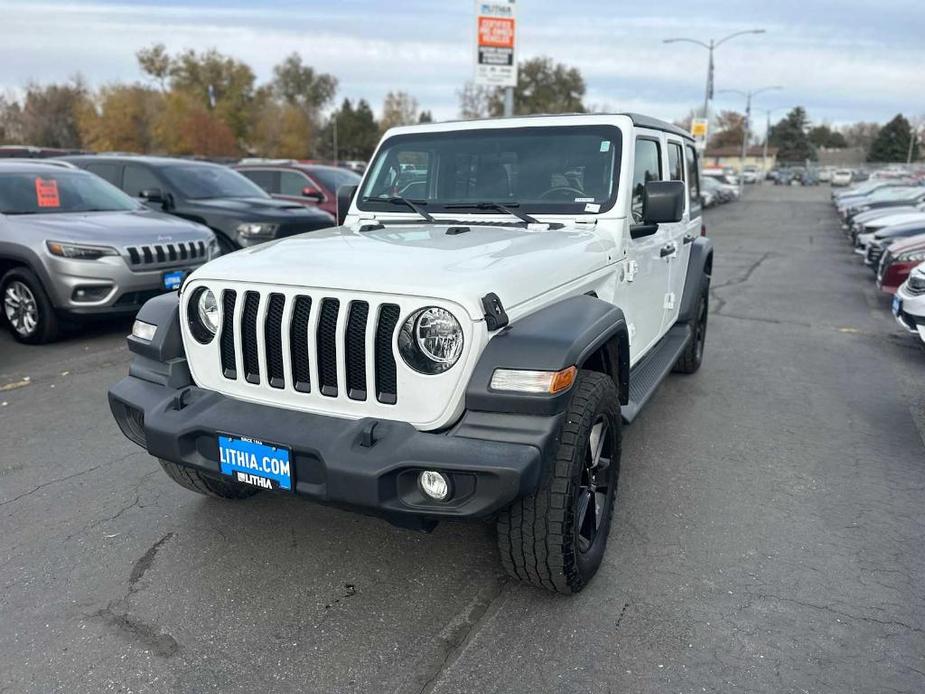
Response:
column 27, row 308
column 205, row 485
column 555, row 538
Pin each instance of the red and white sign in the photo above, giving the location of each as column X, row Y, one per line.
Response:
column 46, row 193
column 495, row 43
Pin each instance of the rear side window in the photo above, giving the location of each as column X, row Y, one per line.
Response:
column 137, row 178
column 647, row 168
column 265, row 178
column 693, row 179
column 109, row 172
column 675, row 162
column 293, row 183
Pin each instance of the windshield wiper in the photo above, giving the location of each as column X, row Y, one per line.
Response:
column 506, row 208
column 413, row 204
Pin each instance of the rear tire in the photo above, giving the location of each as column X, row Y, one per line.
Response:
column 203, row 484
column 555, row 538
column 26, row 308
column 692, row 357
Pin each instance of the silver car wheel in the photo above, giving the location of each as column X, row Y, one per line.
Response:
column 20, row 308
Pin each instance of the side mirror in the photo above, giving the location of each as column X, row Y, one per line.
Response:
column 312, row 194
column 344, row 200
column 152, row 195
column 663, row 203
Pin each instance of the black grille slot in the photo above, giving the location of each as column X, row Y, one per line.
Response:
column 227, row 339
column 327, row 347
column 159, row 251
column 147, row 254
column 273, row 337
column 249, row 337
column 298, row 344
column 133, row 255
column 183, row 252
column 386, row 375
column 171, row 252
column 355, row 345
column 202, row 248
column 192, row 249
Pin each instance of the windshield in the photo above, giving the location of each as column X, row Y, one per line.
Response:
column 564, row 170
column 201, row 181
column 57, row 191
column 332, row 179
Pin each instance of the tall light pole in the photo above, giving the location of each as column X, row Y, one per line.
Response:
column 711, row 46
column 745, row 126
column 767, row 135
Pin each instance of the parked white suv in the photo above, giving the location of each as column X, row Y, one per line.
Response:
column 500, row 297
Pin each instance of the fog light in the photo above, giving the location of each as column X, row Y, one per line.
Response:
column 143, row 331
column 434, row 484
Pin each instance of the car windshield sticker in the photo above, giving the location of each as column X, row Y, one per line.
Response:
column 584, row 199
column 46, row 193
column 605, row 145
column 590, row 207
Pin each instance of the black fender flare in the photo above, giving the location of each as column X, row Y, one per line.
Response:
column 566, row 333
column 162, row 359
column 699, row 269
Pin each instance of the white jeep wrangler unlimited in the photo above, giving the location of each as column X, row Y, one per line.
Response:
column 500, row 296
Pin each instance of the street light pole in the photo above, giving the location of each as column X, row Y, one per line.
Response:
column 711, row 46
column 746, row 126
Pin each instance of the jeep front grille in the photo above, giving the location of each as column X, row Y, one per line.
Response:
column 166, row 254
column 324, row 338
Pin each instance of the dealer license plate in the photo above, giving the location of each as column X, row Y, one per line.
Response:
column 255, row 463
column 897, row 305
column 173, row 280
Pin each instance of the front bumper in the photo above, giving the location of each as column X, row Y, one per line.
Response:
column 367, row 464
column 121, row 289
column 912, row 315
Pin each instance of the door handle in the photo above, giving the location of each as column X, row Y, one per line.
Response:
column 667, row 250
column 688, row 238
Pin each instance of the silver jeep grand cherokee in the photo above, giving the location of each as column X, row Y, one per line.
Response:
column 73, row 247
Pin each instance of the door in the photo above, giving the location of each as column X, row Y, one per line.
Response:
column 647, row 270
column 137, row 179
column 268, row 179
column 294, row 184
column 680, row 235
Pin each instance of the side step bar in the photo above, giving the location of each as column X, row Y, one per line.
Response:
column 652, row 368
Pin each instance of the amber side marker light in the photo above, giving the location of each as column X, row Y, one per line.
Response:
column 523, row 381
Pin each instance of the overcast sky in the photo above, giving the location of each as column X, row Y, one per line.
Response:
column 844, row 60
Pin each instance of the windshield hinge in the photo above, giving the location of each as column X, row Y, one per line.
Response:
column 495, row 315
column 584, row 222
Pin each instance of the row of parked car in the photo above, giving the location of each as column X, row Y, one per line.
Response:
column 718, row 186
column 87, row 236
column 885, row 220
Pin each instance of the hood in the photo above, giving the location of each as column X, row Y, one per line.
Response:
column 110, row 228
column 913, row 243
column 260, row 208
column 895, row 219
column 423, row 260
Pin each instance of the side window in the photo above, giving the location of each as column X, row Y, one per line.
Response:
column 292, row 183
column 265, row 178
column 675, row 162
column 137, row 178
column 648, row 167
column 693, row 177
column 109, row 172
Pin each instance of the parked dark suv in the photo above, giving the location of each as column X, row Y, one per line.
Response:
column 240, row 213
column 305, row 184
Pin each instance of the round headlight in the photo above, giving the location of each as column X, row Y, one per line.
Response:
column 431, row 340
column 202, row 314
column 208, row 310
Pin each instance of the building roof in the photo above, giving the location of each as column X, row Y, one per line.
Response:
column 754, row 151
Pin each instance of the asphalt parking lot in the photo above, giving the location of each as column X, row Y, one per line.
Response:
column 768, row 538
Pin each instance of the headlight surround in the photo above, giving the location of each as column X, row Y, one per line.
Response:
column 911, row 257
column 202, row 314
column 431, row 340
column 77, row 251
column 257, row 230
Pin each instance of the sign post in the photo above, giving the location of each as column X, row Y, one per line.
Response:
column 495, row 48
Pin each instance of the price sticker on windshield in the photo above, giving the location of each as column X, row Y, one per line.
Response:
column 46, row 193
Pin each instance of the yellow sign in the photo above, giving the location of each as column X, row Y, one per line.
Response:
column 699, row 127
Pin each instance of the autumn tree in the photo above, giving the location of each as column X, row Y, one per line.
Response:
column 729, row 130
column 543, row 86
column 474, row 101
column 399, row 108
column 123, row 119
column 50, row 114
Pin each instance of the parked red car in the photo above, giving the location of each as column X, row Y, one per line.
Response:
column 306, row 184
column 898, row 261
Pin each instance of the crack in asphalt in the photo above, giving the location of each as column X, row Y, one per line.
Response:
column 749, row 271
column 840, row 613
column 141, row 566
column 456, row 635
column 51, row 482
